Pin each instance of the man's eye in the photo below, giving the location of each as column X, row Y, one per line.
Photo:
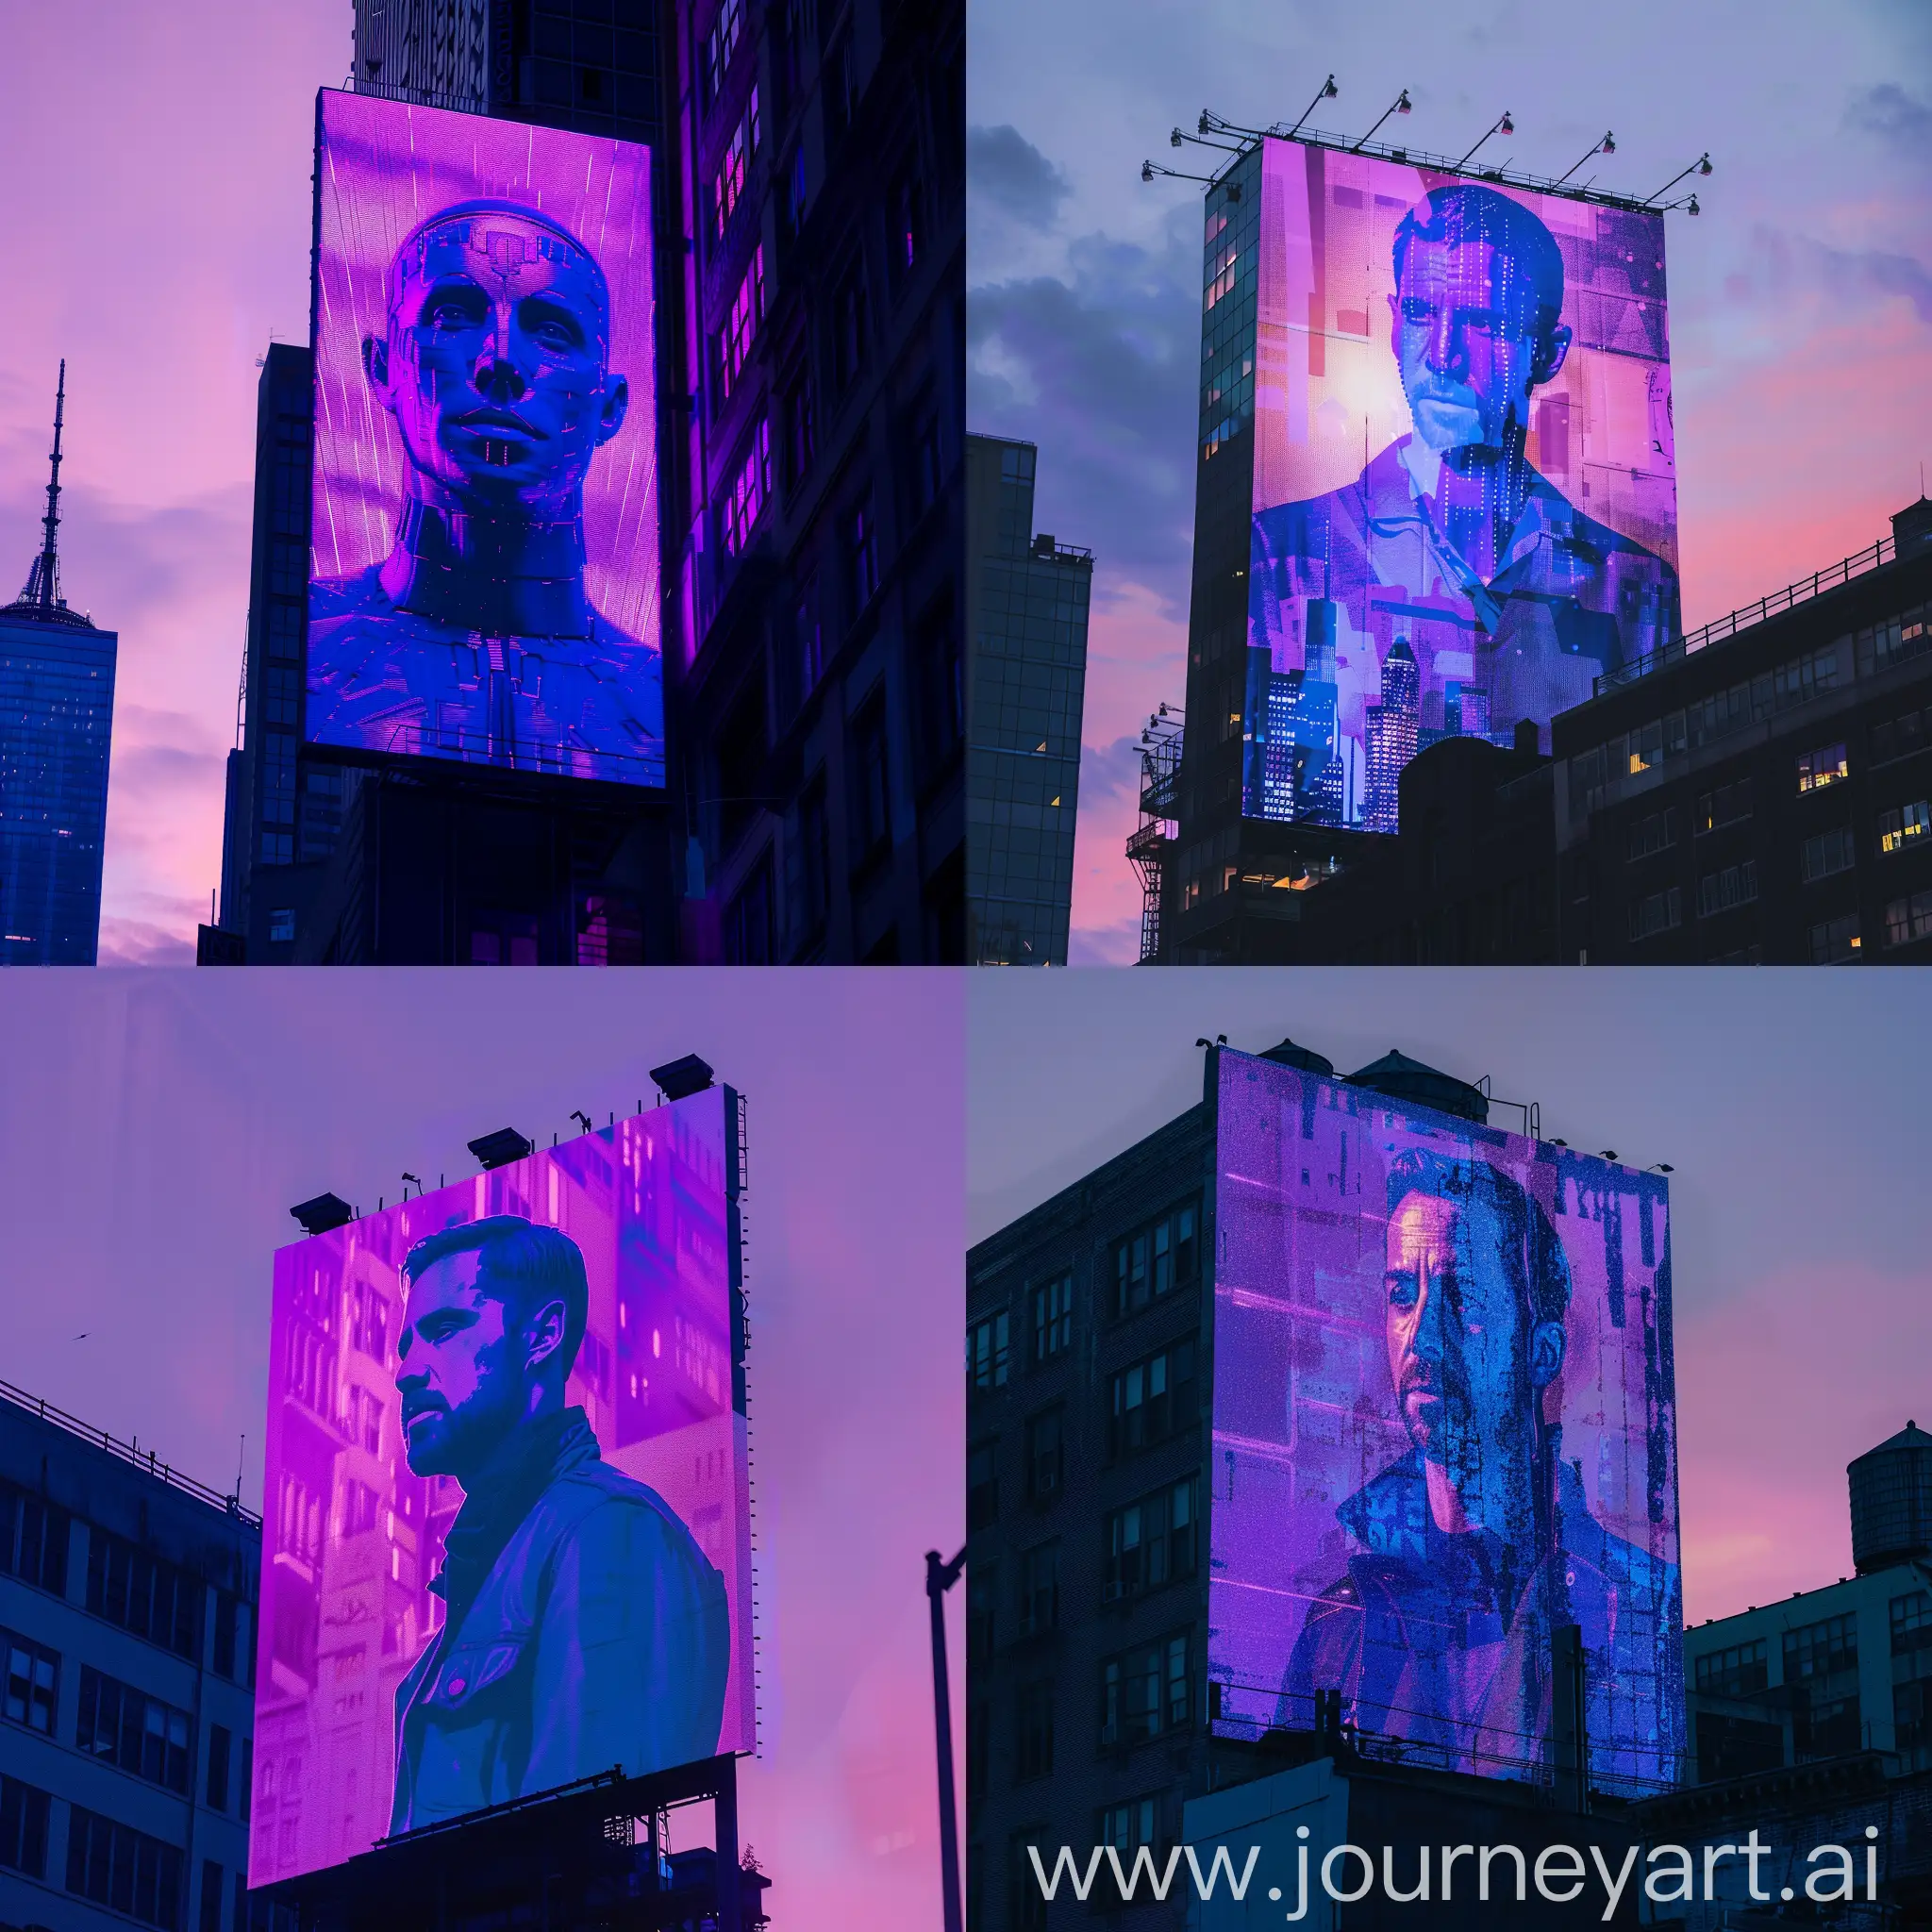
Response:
column 450, row 315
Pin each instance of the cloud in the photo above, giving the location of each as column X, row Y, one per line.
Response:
column 1002, row 167
column 1893, row 116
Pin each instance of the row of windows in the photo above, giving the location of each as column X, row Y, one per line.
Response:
column 1145, row 1693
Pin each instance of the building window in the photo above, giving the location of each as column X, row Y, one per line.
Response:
column 1033, row 1731
column 278, row 779
column 978, row 1747
column 1729, row 805
column 751, row 488
column 1127, row 1827
column 282, row 692
column 1909, row 919
column 1718, row 892
column 982, row 1595
column 1157, row 1258
column 1828, row 1728
column 1822, row 767
column 905, row 224
column 982, row 1485
column 210, row 1896
column 750, row 937
column 138, row 1732
column 219, row 1749
column 1653, row 833
column 861, row 558
column 1053, row 1316
column 278, row 848
column 1834, row 941
column 797, row 192
column 1152, row 1400
column 801, row 431
column 1826, row 853
column 285, row 632
column 1734, row 1672
column 28, row 1693
column 1906, row 826
column 849, row 319
column 1152, row 1542
column 1655, row 912
column 815, row 855
column 1822, row 1649
column 942, row 684
column 1899, row 738
column 810, row 640
column 1039, row 1590
column 734, row 171
column 1144, row 1693
column 281, row 925
column 721, row 43
column 1045, row 1456
column 742, row 322
column 988, row 1351
column 141, row 1593
column 24, row 1827
column 872, row 788
column 117, row 1866
column 1027, row 1909
column 33, row 1540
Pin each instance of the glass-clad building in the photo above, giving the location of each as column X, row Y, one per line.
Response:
column 1028, row 599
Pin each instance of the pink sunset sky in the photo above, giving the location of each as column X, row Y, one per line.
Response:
column 155, row 1129
column 1801, row 297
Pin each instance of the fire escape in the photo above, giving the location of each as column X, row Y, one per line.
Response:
column 1154, row 838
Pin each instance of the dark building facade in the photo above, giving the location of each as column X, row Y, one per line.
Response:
column 1760, row 792
column 56, row 714
column 127, row 1597
column 809, row 200
column 1090, row 1353
column 1027, row 601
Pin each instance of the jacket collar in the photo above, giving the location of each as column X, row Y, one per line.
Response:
column 523, row 1465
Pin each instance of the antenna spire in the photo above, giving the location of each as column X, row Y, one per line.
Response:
column 44, row 579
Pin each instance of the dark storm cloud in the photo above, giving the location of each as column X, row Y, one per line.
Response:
column 1002, row 167
column 1894, row 117
column 1097, row 369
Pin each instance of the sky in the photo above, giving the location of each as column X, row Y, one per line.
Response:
column 157, row 216
column 1790, row 1105
column 1801, row 296
column 155, row 1129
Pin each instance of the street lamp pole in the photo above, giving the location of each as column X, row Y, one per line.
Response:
column 941, row 1577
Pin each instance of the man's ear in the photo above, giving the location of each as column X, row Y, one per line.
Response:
column 544, row 1333
column 375, row 367
column 1545, row 1353
column 616, row 407
column 1550, row 353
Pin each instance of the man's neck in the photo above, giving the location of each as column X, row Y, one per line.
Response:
column 1474, row 498
column 505, row 575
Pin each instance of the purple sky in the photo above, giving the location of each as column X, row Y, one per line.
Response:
column 1791, row 1105
column 155, row 1129
column 1800, row 298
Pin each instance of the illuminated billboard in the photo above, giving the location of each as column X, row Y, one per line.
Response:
column 484, row 568
column 1444, row 1428
column 506, row 1533
column 1465, row 505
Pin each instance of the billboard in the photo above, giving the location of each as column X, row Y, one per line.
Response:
column 1465, row 501
column 484, row 569
column 1444, row 1428
column 506, row 1532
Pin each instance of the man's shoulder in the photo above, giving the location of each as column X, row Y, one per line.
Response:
column 592, row 1498
column 1577, row 529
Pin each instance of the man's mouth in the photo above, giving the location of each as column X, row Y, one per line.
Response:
column 413, row 1412
column 484, row 421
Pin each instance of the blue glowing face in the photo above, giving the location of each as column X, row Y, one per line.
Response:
column 496, row 361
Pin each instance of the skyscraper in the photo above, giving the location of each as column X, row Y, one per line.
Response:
column 1390, row 737
column 57, row 707
column 1028, row 602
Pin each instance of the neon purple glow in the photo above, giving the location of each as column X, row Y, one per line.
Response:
column 1465, row 505
column 352, row 1540
column 1417, row 1554
column 485, row 567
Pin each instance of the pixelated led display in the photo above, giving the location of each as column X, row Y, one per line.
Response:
column 1445, row 1429
column 507, row 1527
column 1465, row 504
column 484, row 565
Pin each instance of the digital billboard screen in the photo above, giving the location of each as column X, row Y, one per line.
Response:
column 1445, row 1429
column 1465, row 501
column 506, row 1533
column 484, row 574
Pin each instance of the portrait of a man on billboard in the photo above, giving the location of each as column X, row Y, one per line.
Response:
column 1504, row 532
column 485, row 392
column 584, row 1626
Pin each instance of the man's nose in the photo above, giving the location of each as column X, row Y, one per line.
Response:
column 1429, row 1326
column 498, row 379
column 1444, row 351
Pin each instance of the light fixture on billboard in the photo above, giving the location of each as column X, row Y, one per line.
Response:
column 1700, row 167
column 408, row 1177
column 1661, row 1167
column 1502, row 125
column 1607, row 145
column 1327, row 92
column 322, row 1213
column 680, row 1078
column 582, row 1118
column 500, row 1148
column 1400, row 106
column 1607, row 1153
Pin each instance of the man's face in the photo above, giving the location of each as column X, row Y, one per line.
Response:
column 1455, row 1337
column 1465, row 336
column 460, row 1373
column 496, row 361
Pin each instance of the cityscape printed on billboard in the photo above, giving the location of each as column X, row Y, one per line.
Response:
column 506, row 1540
column 1465, row 504
column 484, row 579
column 1444, row 1428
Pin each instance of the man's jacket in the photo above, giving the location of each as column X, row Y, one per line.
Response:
column 586, row 1629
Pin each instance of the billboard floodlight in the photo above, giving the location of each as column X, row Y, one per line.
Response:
column 322, row 1213
column 678, row 1080
column 500, row 1148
